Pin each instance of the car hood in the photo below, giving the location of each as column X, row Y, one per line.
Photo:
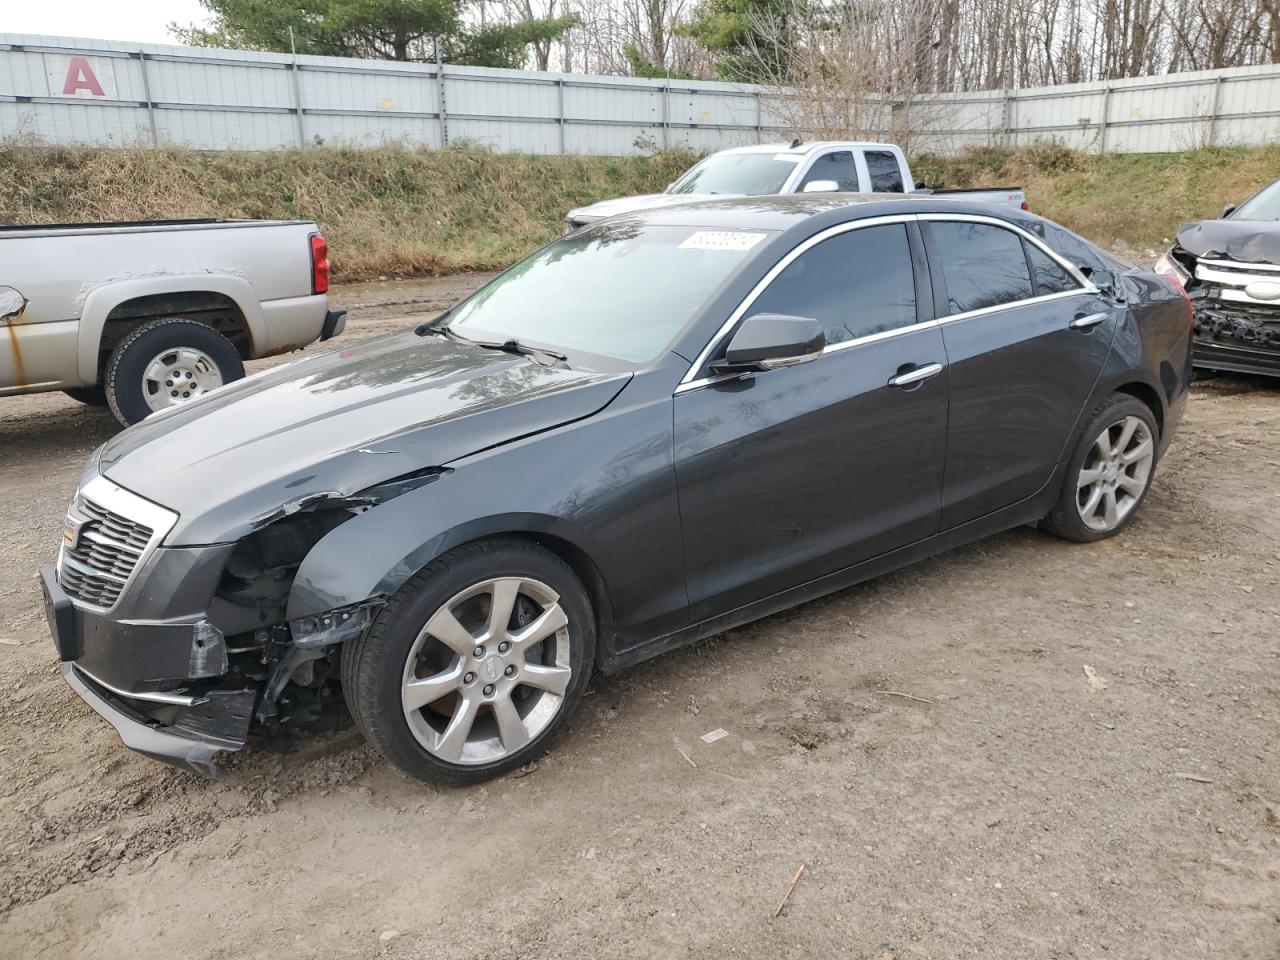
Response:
column 339, row 422
column 1249, row 241
column 648, row 201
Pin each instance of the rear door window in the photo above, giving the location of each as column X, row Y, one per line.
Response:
column 854, row 284
column 886, row 175
column 983, row 265
column 1049, row 275
column 838, row 166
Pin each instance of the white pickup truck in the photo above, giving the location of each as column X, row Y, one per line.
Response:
column 147, row 315
column 768, row 168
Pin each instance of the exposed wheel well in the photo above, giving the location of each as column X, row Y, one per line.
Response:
column 1148, row 395
column 217, row 310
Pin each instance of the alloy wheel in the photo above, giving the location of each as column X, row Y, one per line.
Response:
column 1115, row 473
column 179, row 375
column 488, row 671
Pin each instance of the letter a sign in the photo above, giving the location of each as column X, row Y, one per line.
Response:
column 78, row 76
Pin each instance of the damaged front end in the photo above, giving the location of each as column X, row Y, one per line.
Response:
column 1236, row 306
column 184, row 648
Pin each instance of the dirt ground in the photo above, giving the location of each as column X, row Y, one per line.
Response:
column 1021, row 749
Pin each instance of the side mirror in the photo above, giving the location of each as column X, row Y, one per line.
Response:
column 769, row 340
column 12, row 304
column 821, row 186
column 1228, row 210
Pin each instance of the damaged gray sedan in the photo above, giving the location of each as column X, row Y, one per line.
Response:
column 1230, row 268
column 652, row 430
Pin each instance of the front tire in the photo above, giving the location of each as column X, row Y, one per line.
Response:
column 165, row 363
column 475, row 665
column 1109, row 474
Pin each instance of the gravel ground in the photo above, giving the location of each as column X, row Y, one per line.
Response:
column 1023, row 748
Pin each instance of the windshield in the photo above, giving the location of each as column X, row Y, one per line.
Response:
column 749, row 174
column 1263, row 206
column 620, row 290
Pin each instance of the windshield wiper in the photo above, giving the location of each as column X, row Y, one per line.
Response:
column 508, row 346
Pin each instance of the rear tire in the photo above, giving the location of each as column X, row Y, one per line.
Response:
column 1109, row 474
column 165, row 363
column 91, row 396
column 451, row 692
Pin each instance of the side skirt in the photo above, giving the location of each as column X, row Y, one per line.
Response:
column 1027, row 511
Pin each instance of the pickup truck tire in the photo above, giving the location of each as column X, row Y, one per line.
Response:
column 192, row 359
column 451, row 693
column 93, row 396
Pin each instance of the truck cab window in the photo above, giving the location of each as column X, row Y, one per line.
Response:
column 886, row 175
column 838, row 166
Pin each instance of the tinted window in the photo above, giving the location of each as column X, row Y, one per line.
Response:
column 1049, row 275
column 983, row 266
column 855, row 284
column 838, row 166
column 886, row 175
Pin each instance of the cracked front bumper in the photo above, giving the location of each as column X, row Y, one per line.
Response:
column 161, row 681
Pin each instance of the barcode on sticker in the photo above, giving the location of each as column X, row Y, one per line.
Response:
column 721, row 240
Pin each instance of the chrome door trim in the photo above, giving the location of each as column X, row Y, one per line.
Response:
column 921, row 373
column 1084, row 323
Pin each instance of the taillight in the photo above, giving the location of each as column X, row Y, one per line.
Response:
column 1026, row 206
column 319, row 264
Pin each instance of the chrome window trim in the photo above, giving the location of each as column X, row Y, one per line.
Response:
column 1086, row 287
column 129, row 505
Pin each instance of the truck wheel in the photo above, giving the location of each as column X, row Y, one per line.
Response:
column 165, row 363
column 475, row 664
column 93, row 396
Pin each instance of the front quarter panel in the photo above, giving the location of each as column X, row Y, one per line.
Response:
column 605, row 485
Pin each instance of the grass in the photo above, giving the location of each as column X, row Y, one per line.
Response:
column 401, row 212
column 1122, row 201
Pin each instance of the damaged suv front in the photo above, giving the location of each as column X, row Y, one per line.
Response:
column 1230, row 268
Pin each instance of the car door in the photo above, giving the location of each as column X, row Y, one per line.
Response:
column 788, row 474
column 1026, row 339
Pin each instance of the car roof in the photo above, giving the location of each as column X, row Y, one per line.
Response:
column 783, row 212
column 803, row 149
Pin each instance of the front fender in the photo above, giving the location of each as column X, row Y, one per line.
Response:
column 393, row 542
column 102, row 298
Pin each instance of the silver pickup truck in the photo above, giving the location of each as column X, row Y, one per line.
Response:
column 824, row 167
column 142, row 316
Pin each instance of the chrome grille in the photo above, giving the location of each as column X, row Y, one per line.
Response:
column 104, row 546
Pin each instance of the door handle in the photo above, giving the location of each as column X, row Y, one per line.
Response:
column 1088, row 321
column 921, row 373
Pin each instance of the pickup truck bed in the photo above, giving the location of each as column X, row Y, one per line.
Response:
column 77, row 293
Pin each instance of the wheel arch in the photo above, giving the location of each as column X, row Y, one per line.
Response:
column 327, row 579
column 111, row 310
column 1148, row 395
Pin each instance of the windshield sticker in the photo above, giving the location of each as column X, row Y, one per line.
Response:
column 789, row 157
column 721, row 240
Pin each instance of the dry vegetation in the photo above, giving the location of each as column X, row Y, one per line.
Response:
column 402, row 212
column 387, row 211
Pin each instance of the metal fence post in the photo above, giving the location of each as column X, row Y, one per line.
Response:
column 1106, row 112
column 1218, row 84
column 560, row 98
column 759, row 115
column 666, row 116
column 1006, row 118
column 146, row 92
column 297, row 91
column 444, row 113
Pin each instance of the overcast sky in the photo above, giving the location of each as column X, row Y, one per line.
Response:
column 141, row 20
